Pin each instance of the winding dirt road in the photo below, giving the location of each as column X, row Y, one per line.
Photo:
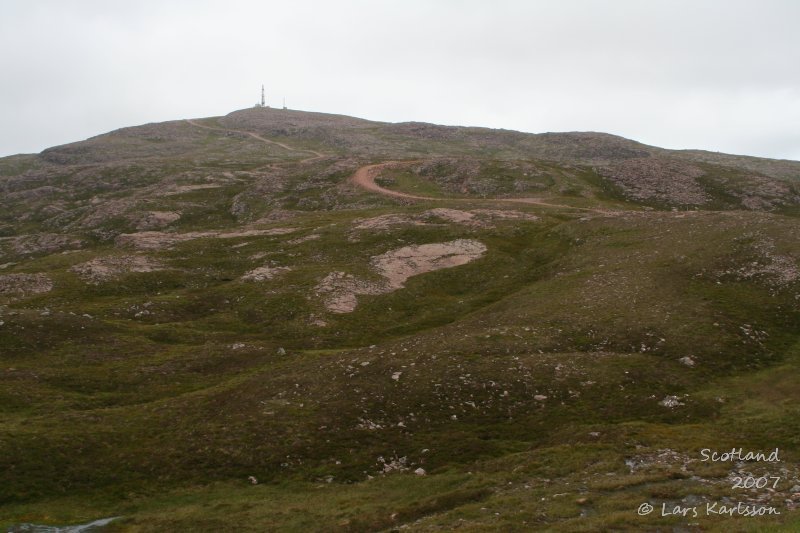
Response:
column 365, row 176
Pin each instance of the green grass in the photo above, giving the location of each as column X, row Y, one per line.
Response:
column 527, row 377
column 175, row 369
column 410, row 183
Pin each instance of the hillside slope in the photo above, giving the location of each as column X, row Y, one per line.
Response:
column 271, row 320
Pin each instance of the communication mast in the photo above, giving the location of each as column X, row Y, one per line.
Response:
column 263, row 102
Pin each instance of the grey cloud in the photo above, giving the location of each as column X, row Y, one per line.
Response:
column 712, row 74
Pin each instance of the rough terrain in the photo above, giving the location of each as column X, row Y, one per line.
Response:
column 281, row 321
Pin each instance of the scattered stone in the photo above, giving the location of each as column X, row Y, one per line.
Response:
column 157, row 240
column 317, row 321
column 396, row 464
column 25, row 284
column 383, row 222
column 480, row 218
column 420, row 472
column 364, row 423
column 44, row 243
column 688, row 361
column 180, row 189
column 773, row 268
column 264, row 273
column 102, row 269
column 155, row 219
column 671, row 402
column 539, row 397
column 455, row 216
column 252, row 480
column 658, row 178
column 504, row 214
column 307, row 238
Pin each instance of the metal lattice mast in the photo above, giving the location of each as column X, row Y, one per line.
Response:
column 263, row 102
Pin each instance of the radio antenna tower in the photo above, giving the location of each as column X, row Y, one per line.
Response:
column 263, row 102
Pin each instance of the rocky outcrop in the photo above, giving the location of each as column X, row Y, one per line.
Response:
column 25, row 284
column 103, row 269
column 339, row 290
column 658, row 179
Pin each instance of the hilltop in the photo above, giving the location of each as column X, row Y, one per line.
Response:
column 101, row 181
column 271, row 320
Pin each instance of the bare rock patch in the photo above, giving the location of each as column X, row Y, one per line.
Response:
column 340, row 290
column 264, row 273
column 156, row 240
column 383, row 222
column 44, row 242
column 25, row 284
column 455, row 216
column 659, row 179
column 762, row 193
column 301, row 240
column 776, row 269
column 504, row 214
column 155, row 219
column 478, row 218
column 102, row 269
column 399, row 265
column 180, row 189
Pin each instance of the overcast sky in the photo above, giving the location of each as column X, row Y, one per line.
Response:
column 720, row 75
